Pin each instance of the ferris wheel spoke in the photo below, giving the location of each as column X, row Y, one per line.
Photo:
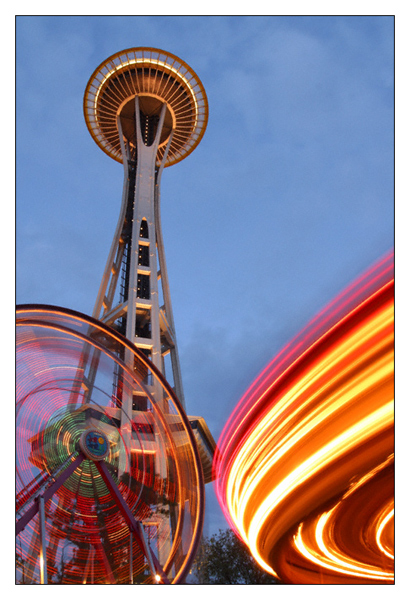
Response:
column 49, row 492
column 134, row 525
column 34, row 487
column 105, row 548
column 28, row 490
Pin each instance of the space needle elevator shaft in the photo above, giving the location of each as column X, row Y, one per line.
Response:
column 134, row 293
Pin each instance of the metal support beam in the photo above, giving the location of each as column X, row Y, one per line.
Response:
column 33, row 510
column 43, row 554
column 131, row 560
column 135, row 526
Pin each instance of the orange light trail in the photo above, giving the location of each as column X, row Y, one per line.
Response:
column 304, row 469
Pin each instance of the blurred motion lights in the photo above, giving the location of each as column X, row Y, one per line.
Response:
column 105, row 493
column 305, row 465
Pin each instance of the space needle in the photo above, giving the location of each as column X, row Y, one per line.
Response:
column 148, row 110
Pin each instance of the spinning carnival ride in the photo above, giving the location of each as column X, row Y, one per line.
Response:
column 105, row 493
column 304, row 468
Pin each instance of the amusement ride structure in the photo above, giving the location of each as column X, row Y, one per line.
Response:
column 110, row 470
column 304, row 468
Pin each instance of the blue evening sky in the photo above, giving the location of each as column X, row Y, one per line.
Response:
column 288, row 197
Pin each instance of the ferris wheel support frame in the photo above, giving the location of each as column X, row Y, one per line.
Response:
column 136, row 527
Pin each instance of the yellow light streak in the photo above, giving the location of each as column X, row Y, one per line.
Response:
column 380, row 419
column 266, row 431
column 332, row 561
column 322, row 428
column 380, row 529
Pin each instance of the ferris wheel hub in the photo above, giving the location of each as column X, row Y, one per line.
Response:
column 94, row 444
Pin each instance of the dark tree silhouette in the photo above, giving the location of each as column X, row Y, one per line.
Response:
column 224, row 559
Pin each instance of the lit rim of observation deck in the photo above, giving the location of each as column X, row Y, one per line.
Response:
column 156, row 77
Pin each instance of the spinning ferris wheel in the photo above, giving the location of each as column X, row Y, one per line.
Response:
column 109, row 481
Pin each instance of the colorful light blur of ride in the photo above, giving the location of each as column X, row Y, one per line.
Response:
column 304, row 468
column 103, row 440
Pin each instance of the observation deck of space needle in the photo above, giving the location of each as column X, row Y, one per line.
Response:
column 119, row 421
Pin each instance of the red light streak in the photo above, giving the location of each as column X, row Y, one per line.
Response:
column 310, row 441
